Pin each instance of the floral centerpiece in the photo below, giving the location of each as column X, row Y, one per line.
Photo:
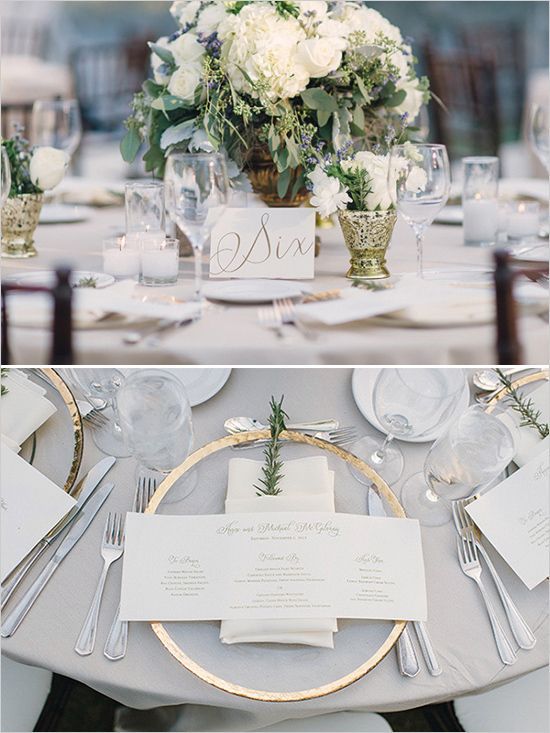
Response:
column 254, row 78
column 32, row 171
column 357, row 187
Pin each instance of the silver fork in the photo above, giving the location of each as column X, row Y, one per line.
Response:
column 117, row 640
column 95, row 419
column 269, row 318
column 112, row 548
column 520, row 629
column 341, row 436
column 469, row 562
column 286, row 310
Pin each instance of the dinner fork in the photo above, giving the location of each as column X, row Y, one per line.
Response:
column 285, row 308
column 520, row 629
column 268, row 318
column 112, row 548
column 117, row 641
column 341, row 436
column 469, row 562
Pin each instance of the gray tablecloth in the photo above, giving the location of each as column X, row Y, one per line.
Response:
column 234, row 336
column 149, row 676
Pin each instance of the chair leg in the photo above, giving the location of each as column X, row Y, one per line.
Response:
column 508, row 347
column 62, row 346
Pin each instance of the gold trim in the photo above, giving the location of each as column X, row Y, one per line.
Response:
column 265, row 695
column 76, row 419
column 521, row 382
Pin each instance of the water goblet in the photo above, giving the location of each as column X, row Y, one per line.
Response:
column 473, row 451
column 408, row 403
column 56, row 123
column 539, row 134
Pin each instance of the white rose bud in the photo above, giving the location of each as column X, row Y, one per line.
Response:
column 319, row 56
column 47, row 167
column 184, row 82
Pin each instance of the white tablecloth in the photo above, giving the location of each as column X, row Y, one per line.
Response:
column 149, row 676
column 233, row 335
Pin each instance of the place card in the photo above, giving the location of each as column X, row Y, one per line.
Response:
column 514, row 517
column 31, row 505
column 265, row 566
column 264, row 243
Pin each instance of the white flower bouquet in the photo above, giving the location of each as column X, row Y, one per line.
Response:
column 34, row 170
column 278, row 75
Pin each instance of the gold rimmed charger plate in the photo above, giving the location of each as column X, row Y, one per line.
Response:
column 176, row 650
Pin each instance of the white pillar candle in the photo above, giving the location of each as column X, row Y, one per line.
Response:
column 523, row 221
column 121, row 262
column 480, row 221
column 159, row 264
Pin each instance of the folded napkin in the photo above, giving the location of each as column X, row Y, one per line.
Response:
column 24, row 408
column 88, row 192
column 307, row 485
column 530, row 442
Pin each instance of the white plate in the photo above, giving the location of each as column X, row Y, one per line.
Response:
column 252, row 291
column 362, row 386
column 450, row 215
column 63, row 214
column 200, row 384
column 46, row 278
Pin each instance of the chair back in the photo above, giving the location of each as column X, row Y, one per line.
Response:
column 23, row 36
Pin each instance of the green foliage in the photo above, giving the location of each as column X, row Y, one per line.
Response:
column 524, row 406
column 19, row 154
column 357, row 182
column 272, row 469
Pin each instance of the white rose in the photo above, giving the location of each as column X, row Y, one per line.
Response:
column 184, row 82
column 210, row 18
column 413, row 101
column 184, row 11
column 47, row 167
column 320, row 56
column 186, row 49
column 157, row 63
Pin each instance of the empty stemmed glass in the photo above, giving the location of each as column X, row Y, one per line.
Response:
column 419, row 181
column 474, row 450
column 100, row 387
column 5, row 184
column 408, row 403
column 56, row 123
column 197, row 192
column 539, row 133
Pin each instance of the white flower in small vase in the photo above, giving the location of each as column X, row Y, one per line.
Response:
column 47, row 167
column 329, row 195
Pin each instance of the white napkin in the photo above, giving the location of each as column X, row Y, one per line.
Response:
column 24, row 408
column 307, row 485
column 530, row 442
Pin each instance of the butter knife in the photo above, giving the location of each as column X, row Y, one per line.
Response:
column 93, row 505
column 83, row 490
column 376, row 508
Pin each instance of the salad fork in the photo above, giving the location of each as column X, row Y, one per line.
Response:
column 520, row 629
column 469, row 562
column 285, row 309
column 269, row 318
column 117, row 641
column 112, row 548
column 340, row 437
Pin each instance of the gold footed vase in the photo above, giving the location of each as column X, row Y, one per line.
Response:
column 264, row 177
column 367, row 235
column 20, row 216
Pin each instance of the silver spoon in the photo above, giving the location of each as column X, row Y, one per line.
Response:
column 238, row 424
column 487, row 379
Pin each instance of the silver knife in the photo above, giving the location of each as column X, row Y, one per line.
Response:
column 93, row 505
column 376, row 508
column 83, row 490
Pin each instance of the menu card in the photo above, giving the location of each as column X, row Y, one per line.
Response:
column 514, row 518
column 265, row 566
column 31, row 505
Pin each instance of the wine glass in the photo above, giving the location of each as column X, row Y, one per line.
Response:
column 539, row 134
column 100, row 387
column 474, row 450
column 408, row 403
column 5, row 184
column 155, row 416
column 56, row 123
column 197, row 192
column 419, row 180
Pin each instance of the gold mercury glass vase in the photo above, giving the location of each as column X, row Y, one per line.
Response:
column 367, row 235
column 20, row 216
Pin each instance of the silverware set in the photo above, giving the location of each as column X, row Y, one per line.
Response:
column 281, row 313
column 470, row 550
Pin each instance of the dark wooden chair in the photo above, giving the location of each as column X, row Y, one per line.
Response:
column 507, row 270
column 62, row 292
column 468, row 123
column 24, row 36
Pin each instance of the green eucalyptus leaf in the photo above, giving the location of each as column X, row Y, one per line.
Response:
column 363, row 89
column 319, row 99
column 323, row 116
column 163, row 53
column 168, row 103
column 396, row 99
column 130, row 145
column 283, row 183
column 177, row 133
column 152, row 88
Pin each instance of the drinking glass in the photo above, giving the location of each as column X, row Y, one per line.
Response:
column 419, row 181
column 474, row 450
column 56, row 123
column 155, row 416
column 5, row 184
column 144, row 206
column 539, row 134
column 197, row 192
column 100, row 387
column 408, row 403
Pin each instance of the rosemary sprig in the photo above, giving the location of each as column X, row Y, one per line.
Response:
column 530, row 416
column 3, row 390
column 86, row 282
column 272, row 468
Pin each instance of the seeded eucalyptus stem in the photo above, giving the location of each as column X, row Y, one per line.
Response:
column 530, row 416
column 272, row 468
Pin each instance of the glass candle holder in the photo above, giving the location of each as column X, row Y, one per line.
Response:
column 522, row 220
column 159, row 261
column 144, row 203
column 120, row 259
column 480, row 200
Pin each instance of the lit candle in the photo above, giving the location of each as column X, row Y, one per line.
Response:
column 480, row 220
column 523, row 220
column 119, row 259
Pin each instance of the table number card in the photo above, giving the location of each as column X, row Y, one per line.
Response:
column 265, row 566
column 264, row 243
column 514, row 517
